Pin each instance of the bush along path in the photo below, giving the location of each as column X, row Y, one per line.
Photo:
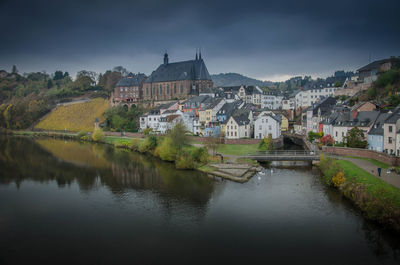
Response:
column 378, row 200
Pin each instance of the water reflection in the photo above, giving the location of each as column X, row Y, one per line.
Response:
column 91, row 165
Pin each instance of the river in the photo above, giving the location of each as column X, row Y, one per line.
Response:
column 63, row 202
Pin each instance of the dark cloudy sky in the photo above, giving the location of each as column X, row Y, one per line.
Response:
column 262, row 39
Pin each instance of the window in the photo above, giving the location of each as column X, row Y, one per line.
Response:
column 235, row 133
column 160, row 89
column 181, row 89
column 260, row 127
column 167, row 89
column 390, row 140
column 390, row 128
column 269, row 127
column 174, row 88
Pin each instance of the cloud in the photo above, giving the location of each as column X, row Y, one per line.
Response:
column 258, row 38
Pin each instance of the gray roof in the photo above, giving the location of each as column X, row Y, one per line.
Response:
column 242, row 118
column 377, row 129
column 186, row 70
column 131, row 80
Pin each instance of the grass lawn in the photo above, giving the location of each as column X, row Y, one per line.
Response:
column 116, row 140
column 376, row 187
column 375, row 162
column 237, row 149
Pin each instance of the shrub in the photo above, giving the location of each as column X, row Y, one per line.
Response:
column 82, row 134
column 266, row 144
column 148, row 145
column 147, row 131
column 184, row 161
column 330, row 168
column 98, row 135
column 338, row 179
column 167, row 150
column 327, row 140
column 200, row 155
column 134, row 144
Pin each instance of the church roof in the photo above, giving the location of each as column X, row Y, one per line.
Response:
column 186, row 70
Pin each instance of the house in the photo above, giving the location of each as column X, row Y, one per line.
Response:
column 362, row 106
column 271, row 101
column 370, row 72
column 375, row 134
column 195, row 104
column 167, row 122
column 196, row 126
column 390, row 128
column 317, row 90
column 267, row 124
column 151, row 120
column 340, row 127
column 129, row 88
column 3, row 73
column 188, row 121
column 316, row 113
column 238, row 126
column 297, row 127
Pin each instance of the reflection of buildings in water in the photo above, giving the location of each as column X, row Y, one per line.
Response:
column 176, row 190
column 135, row 176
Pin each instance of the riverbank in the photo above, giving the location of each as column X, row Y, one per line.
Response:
column 378, row 200
column 237, row 170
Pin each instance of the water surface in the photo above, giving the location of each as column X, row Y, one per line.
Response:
column 63, row 202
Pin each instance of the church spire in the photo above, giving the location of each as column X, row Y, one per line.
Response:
column 165, row 57
column 199, row 53
column 196, row 55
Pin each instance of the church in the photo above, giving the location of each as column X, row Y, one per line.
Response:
column 178, row 80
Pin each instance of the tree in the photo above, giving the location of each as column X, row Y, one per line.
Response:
column 14, row 70
column 327, row 140
column 338, row 83
column 109, row 79
column 49, row 84
column 58, row 75
column 212, row 143
column 266, row 144
column 88, row 75
column 121, row 70
column 98, row 135
column 178, row 136
column 355, row 138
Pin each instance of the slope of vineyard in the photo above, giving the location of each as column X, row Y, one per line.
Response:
column 75, row 117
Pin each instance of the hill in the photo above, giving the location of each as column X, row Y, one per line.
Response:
column 75, row 117
column 234, row 79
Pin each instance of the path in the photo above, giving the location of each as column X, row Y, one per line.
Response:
column 391, row 178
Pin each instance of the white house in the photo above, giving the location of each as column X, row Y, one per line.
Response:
column 271, row 101
column 267, row 124
column 289, row 104
column 238, row 126
column 306, row 98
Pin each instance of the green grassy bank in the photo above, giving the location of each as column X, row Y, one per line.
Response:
column 378, row 200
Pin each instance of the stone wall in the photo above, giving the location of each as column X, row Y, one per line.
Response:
column 344, row 151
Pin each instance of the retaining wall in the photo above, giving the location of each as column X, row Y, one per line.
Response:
column 365, row 153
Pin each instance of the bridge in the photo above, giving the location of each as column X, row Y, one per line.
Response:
column 285, row 155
